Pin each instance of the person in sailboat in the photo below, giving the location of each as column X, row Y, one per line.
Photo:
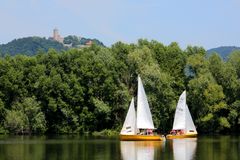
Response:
column 173, row 132
column 140, row 121
column 141, row 132
column 149, row 132
column 146, row 132
column 183, row 125
column 177, row 132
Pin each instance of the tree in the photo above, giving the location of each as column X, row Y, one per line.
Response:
column 206, row 96
column 26, row 117
column 225, row 75
column 16, row 122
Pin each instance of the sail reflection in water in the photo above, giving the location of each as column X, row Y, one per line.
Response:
column 184, row 149
column 140, row 150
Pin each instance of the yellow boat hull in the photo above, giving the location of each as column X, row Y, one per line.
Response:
column 141, row 138
column 170, row 136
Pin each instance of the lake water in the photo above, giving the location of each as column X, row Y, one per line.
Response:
column 96, row 148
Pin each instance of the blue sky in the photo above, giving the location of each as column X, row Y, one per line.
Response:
column 207, row 23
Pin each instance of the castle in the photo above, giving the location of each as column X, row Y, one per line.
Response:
column 56, row 36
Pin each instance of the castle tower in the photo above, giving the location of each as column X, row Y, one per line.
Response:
column 55, row 34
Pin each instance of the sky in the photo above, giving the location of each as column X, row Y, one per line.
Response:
column 206, row 23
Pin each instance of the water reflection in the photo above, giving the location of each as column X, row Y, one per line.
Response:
column 57, row 148
column 219, row 148
column 184, row 149
column 100, row 148
column 140, row 150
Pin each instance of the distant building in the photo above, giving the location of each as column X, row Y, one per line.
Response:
column 89, row 43
column 56, row 36
column 67, row 45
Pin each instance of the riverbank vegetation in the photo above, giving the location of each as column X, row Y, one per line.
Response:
column 89, row 89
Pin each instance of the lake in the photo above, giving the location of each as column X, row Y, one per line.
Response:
column 97, row 148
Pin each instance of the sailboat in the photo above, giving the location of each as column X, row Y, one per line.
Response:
column 183, row 126
column 142, row 120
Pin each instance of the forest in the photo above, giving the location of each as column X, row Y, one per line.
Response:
column 89, row 89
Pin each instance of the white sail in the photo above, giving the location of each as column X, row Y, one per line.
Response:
column 129, row 125
column 183, row 119
column 190, row 127
column 144, row 117
column 180, row 113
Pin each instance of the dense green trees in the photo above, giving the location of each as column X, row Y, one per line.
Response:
column 89, row 89
column 26, row 117
column 76, row 41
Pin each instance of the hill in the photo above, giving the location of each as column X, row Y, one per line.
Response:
column 223, row 51
column 31, row 45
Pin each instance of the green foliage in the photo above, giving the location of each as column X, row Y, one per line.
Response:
column 78, row 41
column 106, row 132
column 32, row 109
column 89, row 89
column 29, row 46
column 73, row 40
column 87, row 120
column 16, row 122
column 25, row 117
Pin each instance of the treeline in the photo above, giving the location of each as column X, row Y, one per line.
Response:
column 76, row 41
column 89, row 89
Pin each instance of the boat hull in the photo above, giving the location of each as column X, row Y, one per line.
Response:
column 170, row 136
column 141, row 138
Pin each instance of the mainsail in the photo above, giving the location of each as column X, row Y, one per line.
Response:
column 182, row 118
column 144, row 117
column 129, row 126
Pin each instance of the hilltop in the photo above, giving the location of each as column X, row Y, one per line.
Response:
column 223, row 51
column 32, row 45
column 29, row 46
